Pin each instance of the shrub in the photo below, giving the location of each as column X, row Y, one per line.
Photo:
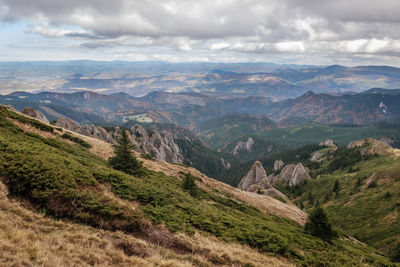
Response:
column 76, row 140
column 189, row 185
column 394, row 253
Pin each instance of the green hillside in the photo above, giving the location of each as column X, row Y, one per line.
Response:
column 366, row 199
column 65, row 181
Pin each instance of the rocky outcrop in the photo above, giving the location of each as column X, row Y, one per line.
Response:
column 159, row 146
column 327, row 142
column 371, row 146
column 67, row 124
column 291, row 174
column 254, row 176
column 225, row 164
column 88, row 130
column 243, row 146
column 317, row 156
column 35, row 114
column 387, row 140
column 278, row 165
column 256, row 181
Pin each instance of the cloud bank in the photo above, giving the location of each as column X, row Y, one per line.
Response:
column 347, row 30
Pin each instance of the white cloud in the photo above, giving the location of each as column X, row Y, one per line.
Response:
column 219, row 46
column 291, row 47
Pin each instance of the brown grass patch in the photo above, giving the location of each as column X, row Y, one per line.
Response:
column 30, row 239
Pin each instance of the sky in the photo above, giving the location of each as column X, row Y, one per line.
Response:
column 316, row 32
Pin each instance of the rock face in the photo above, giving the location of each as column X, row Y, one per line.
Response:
column 67, row 124
column 370, row 146
column 291, row 174
column 327, row 142
column 254, row 176
column 35, row 114
column 159, row 146
column 256, row 181
column 278, row 165
column 243, row 146
column 317, row 156
column 225, row 164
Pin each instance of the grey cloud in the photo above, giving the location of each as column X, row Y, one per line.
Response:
column 318, row 27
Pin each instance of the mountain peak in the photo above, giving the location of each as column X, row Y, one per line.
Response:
column 309, row 93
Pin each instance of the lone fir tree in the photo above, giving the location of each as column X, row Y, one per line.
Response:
column 124, row 159
column 318, row 225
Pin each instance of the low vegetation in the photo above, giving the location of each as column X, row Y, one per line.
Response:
column 75, row 139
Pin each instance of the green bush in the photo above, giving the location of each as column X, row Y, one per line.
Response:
column 394, row 253
column 189, row 185
column 76, row 140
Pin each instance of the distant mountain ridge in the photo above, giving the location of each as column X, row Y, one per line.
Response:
column 191, row 109
column 276, row 81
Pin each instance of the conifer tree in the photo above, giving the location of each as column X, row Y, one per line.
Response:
column 336, row 187
column 124, row 160
column 318, row 225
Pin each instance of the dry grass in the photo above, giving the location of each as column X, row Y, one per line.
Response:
column 30, row 239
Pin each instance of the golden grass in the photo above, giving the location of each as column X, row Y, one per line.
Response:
column 30, row 239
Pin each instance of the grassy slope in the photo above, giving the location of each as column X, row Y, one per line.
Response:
column 368, row 213
column 66, row 181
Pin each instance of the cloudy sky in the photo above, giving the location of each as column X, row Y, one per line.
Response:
column 319, row 32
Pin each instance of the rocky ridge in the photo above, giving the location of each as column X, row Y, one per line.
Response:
column 35, row 114
column 159, row 146
column 256, row 181
column 291, row 174
column 371, row 146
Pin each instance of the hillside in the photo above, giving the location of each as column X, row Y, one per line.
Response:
column 365, row 201
column 64, row 180
column 364, row 108
column 304, row 134
column 218, row 131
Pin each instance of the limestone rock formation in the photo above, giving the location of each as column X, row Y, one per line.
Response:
column 256, row 181
column 160, row 146
column 327, row 142
column 371, row 146
column 243, row 146
column 291, row 174
column 225, row 164
column 254, row 176
column 317, row 156
column 278, row 165
column 67, row 124
column 35, row 114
